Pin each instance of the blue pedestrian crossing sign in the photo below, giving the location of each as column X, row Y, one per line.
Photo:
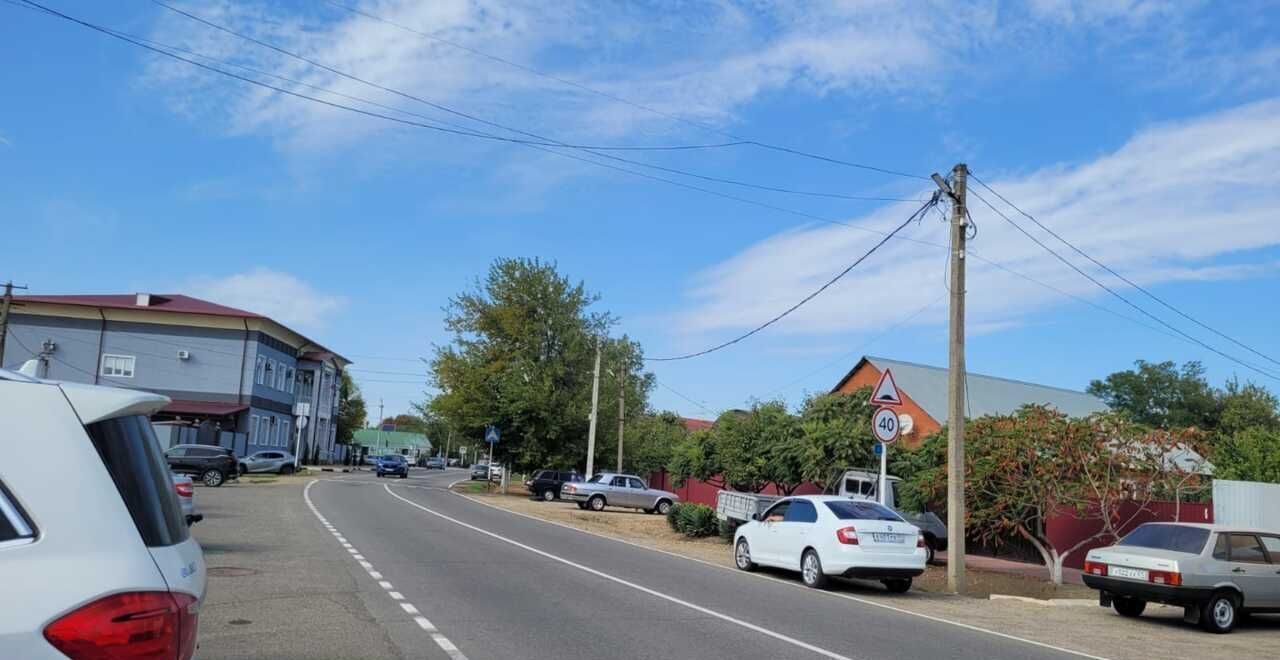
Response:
column 878, row 447
column 491, row 435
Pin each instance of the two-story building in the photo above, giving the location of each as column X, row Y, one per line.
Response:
column 238, row 379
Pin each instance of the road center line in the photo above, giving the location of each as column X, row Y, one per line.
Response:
column 643, row 589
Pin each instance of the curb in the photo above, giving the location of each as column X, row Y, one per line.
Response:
column 1052, row 602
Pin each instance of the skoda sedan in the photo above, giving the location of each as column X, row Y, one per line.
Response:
column 824, row 536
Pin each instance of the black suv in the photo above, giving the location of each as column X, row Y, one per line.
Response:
column 546, row 484
column 212, row 465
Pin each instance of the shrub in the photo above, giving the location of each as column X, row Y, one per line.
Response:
column 693, row 520
column 727, row 529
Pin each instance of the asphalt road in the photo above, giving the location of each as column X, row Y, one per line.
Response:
column 475, row 582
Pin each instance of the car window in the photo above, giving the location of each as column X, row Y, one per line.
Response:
column 1272, row 544
column 778, row 512
column 1246, row 548
column 545, row 474
column 801, row 511
column 14, row 524
column 635, row 483
column 861, row 510
column 202, row 452
column 596, row 479
column 128, row 449
column 176, row 452
column 619, row 482
column 1221, row 548
column 1176, row 538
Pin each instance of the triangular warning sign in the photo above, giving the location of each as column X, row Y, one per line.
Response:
column 886, row 391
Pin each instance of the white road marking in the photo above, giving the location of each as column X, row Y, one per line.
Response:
column 790, row 583
column 443, row 642
column 643, row 589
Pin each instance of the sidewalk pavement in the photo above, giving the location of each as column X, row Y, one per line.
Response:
column 1026, row 569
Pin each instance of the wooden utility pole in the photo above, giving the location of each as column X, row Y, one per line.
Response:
column 955, row 386
column 595, row 409
column 5, row 303
column 622, row 409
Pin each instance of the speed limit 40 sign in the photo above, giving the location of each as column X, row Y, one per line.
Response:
column 884, row 425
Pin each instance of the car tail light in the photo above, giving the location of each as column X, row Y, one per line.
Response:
column 920, row 540
column 185, row 489
column 847, row 535
column 1095, row 568
column 1169, row 578
column 139, row 624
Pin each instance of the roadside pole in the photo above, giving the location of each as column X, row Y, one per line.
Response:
column 595, row 403
column 622, row 410
column 955, row 388
column 5, row 303
column 299, row 424
column 488, row 478
column 884, row 468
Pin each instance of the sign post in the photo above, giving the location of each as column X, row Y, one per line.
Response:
column 884, row 424
column 490, row 436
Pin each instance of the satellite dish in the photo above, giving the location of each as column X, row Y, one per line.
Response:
column 905, row 423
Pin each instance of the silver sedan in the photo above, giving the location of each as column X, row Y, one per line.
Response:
column 280, row 462
column 624, row 490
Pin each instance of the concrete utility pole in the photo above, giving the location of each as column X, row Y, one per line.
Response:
column 955, row 388
column 595, row 409
column 622, row 410
column 380, row 418
column 5, row 303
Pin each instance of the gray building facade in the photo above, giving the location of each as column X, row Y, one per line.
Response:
column 237, row 378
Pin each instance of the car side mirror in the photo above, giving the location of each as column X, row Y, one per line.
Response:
column 755, row 516
column 193, row 519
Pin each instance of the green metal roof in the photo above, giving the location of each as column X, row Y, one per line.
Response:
column 393, row 440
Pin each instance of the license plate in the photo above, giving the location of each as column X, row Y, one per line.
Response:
column 1131, row 573
column 885, row 537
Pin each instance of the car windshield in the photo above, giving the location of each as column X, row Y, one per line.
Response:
column 858, row 510
column 392, row 458
column 1175, row 538
column 596, row 479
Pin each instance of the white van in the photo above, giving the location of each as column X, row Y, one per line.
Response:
column 95, row 555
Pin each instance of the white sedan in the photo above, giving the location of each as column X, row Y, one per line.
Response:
column 824, row 536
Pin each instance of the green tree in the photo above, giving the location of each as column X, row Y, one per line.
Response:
column 694, row 457
column 406, row 423
column 650, row 441
column 835, row 434
column 1248, row 406
column 521, row 358
column 1162, row 396
column 1249, row 455
column 351, row 409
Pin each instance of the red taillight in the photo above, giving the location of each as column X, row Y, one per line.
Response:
column 920, row 541
column 185, row 490
column 1094, row 568
column 140, row 624
column 847, row 535
column 1168, row 578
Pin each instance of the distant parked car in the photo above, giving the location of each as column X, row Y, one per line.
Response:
column 624, row 490
column 211, row 464
column 479, row 471
column 1216, row 573
column 546, row 484
column 185, row 489
column 829, row 535
column 279, row 462
column 393, row 464
column 95, row 558
column 435, row 463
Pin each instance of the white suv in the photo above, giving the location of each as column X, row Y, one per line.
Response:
column 95, row 555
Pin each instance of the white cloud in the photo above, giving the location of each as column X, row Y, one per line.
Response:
column 1158, row 210
column 281, row 296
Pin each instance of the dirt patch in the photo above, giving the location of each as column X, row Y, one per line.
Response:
column 981, row 584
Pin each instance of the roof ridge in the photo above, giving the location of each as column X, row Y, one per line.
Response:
column 971, row 374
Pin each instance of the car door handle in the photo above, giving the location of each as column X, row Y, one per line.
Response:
column 1237, row 570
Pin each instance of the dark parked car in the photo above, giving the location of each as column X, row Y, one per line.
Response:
column 546, row 484
column 210, row 464
column 393, row 464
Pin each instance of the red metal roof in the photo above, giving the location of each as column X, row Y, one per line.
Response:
column 160, row 302
column 692, row 424
column 203, row 408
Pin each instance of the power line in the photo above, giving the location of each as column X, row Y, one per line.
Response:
column 1117, row 295
column 695, row 402
column 392, row 373
column 624, row 101
column 1126, row 280
column 546, row 141
column 919, row 212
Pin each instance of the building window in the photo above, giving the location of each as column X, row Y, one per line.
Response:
column 259, row 370
column 264, row 431
column 255, row 436
column 270, row 377
column 284, row 432
column 289, row 380
column 281, row 380
column 117, row 366
column 306, row 384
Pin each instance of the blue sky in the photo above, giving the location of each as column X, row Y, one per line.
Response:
column 1146, row 133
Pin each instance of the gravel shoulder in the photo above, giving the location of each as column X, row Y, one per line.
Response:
column 1068, row 624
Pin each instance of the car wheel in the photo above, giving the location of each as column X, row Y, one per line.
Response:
column 286, row 469
column 405, row 475
column 811, row 570
column 548, row 495
column 212, row 478
column 664, row 507
column 243, row 469
column 1219, row 613
column 930, row 553
column 742, row 556
column 596, row 503
column 898, row 586
column 1129, row 607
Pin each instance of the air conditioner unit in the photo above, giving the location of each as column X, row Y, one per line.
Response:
column 184, row 355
